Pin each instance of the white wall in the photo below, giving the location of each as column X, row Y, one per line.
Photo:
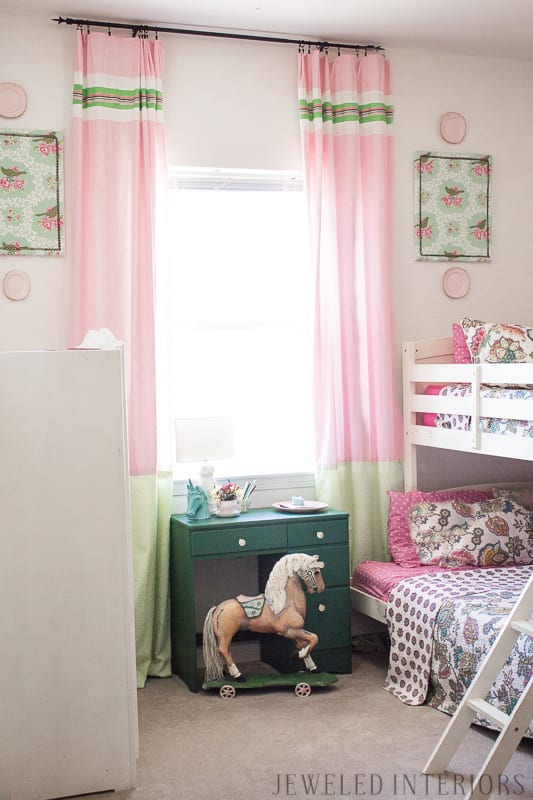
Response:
column 38, row 55
column 494, row 95
column 233, row 104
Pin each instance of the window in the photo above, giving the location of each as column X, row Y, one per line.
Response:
column 241, row 313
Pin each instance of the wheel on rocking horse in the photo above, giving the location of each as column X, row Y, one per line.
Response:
column 302, row 689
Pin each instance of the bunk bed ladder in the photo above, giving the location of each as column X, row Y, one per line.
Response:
column 513, row 726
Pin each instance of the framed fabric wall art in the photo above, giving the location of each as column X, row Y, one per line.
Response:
column 452, row 196
column 31, row 193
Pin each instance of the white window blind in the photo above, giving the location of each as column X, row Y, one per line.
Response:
column 241, row 313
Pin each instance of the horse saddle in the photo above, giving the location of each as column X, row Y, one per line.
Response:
column 252, row 606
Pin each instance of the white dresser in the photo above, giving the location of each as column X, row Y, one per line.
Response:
column 68, row 704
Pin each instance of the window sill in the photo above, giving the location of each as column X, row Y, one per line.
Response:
column 265, row 483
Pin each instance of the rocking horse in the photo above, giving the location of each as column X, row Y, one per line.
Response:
column 281, row 609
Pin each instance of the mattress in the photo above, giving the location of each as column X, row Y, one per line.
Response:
column 378, row 578
column 461, row 422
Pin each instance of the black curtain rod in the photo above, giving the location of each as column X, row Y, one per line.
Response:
column 144, row 29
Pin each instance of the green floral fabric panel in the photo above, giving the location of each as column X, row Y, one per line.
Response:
column 452, row 217
column 31, row 193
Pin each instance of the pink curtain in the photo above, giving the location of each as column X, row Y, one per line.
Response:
column 346, row 116
column 118, row 177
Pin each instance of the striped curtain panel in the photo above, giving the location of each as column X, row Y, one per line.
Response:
column 346, row 117
column 118, row 193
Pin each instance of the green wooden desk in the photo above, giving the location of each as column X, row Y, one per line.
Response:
column 267, row 535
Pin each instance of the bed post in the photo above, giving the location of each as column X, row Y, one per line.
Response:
column 409, row 418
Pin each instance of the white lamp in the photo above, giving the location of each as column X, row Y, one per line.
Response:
column 204, row 439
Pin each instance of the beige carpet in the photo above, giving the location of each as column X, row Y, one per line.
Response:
column 351, row 740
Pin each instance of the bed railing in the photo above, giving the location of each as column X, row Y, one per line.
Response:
column 430, row 361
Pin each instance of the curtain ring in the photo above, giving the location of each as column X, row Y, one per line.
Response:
column 109, row 30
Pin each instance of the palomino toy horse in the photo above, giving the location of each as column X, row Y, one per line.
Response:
column 197, row 502
column 280, row 610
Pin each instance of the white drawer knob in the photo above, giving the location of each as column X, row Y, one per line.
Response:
column 321, row 607
column 242, row 542
column 320, row 534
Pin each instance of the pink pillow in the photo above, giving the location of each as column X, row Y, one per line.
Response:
column 461, row 353
column 401, row 546
column 430, row 418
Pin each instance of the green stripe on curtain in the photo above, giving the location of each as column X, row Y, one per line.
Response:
column 151, row 500
column 361, row 489
column 345, row 112
column 90, row 96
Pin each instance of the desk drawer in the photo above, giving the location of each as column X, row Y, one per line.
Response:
column 336, row 560
column 328, row 615
column 238, row 540
column 317, row 532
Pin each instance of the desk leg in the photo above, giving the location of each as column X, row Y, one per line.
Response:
column 182, row 614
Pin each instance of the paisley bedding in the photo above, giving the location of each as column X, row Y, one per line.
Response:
column 461, row 422
column 442, row 625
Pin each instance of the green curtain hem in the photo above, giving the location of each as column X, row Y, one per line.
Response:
column 361, row 490
column 151, row 503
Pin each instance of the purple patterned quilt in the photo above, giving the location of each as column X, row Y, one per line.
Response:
column 441, row 626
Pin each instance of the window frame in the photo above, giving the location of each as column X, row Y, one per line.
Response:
column 229, row 179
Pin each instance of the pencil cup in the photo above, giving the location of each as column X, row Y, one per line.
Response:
column 245, row 505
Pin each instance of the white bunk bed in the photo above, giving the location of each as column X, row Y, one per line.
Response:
column 431, row 361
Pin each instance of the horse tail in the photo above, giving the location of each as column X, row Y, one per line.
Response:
column 212, row 660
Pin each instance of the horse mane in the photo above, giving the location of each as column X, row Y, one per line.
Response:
column 285, row 568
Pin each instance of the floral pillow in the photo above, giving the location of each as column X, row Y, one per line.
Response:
column 454, row 533
column 401, row 546
column 523, row 495
column 498, row 343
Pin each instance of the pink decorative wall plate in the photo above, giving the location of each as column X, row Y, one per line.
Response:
column 456, row 282
column 453, row 127
column 13, row 100
column 16, row 285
